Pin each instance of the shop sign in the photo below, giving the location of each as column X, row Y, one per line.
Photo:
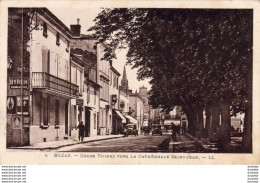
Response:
column 114, row 99
column 25, row 105
column 16, row 83
column 11, row 105
column 79, row 102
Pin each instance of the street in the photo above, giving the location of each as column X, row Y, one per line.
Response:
column 125, row 144
column 140, row 143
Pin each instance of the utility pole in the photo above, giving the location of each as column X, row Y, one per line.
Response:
column 22, row 80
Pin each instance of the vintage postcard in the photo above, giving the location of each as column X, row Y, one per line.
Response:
column 130, row 82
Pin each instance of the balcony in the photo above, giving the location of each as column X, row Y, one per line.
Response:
column 55, row 85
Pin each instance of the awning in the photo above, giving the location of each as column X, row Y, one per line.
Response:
column 121, row 116
column 132, row 120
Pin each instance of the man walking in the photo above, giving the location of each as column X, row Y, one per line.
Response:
column 81, row 128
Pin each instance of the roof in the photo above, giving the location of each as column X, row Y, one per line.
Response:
column 54, row 20
column 77, row 60
column 115, row 71
column 88, row 36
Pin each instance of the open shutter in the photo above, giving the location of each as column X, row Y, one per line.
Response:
column 46, row 60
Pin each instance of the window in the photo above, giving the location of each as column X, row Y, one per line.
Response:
column 80, row 109
column 81, row 82
column 68, row 70
column 57, row 109
column 73, row 115
column 45, row 111
column 98, row 122
column 95, row 94
column 73, row 75
column 95, row 121
column 111, row 80
column 116, row 83
column 88, row 95
column 107, row 90
column 58, row 39
column 45, row 34
column 58, row 64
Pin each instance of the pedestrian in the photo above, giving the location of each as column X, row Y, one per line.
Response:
column 81, row 128
column 174, row 131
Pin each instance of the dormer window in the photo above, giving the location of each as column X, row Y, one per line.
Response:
column 45, row 34
column 58, row 39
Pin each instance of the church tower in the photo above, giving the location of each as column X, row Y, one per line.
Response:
column 124, row 81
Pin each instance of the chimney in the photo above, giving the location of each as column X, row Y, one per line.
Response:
column 76, row 28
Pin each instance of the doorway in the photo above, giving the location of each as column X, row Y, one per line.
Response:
column 87, row 122
column 66, row 119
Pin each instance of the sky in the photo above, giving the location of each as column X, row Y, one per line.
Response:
column 86, row 16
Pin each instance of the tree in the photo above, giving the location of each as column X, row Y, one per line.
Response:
column 195, row 58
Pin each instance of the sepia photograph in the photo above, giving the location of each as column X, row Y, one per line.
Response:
column 152, row 82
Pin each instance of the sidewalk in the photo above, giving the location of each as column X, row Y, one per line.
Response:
column 234, row 146
column 64, row 143
column 186, row 144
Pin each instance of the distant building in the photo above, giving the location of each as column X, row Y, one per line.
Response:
column 136, row 108
column 143, row 93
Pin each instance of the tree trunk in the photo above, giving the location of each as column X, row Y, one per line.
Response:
column 208, row 120
column 225, row 130
column 199, row 122
column 190, row 122
column 190, row 116
column 247, row 133
column 214, row 122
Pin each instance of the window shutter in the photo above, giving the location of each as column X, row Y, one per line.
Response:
column 45, row 60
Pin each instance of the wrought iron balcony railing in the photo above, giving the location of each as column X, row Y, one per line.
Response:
column 44, row 80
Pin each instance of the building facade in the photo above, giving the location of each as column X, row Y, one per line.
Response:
column 39, row 83
column 76, row 105
column 143, row 93
column 85, row 47
column 136, row 108
column 105, row 112
column 117, row 118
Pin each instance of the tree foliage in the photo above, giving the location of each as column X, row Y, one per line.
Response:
column 192, row 56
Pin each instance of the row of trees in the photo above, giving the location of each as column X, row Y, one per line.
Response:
column 200, row 59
